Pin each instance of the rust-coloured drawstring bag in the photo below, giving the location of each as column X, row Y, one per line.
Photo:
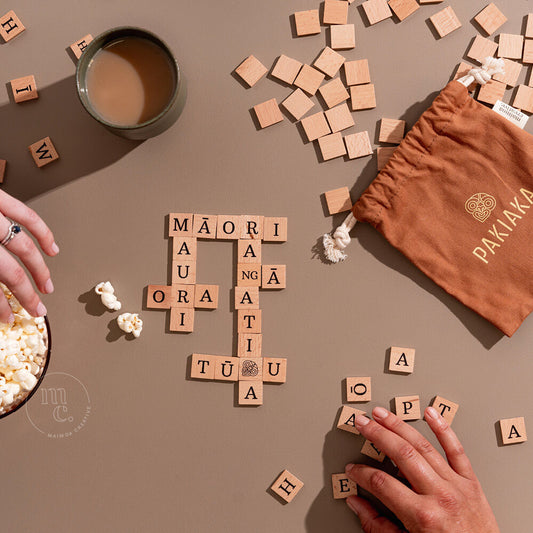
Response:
column 456, row 198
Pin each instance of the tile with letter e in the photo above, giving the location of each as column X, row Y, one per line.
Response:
column 274, row 277
column 391, row 131
column 248, row 275
column 358, row 389
column 287, row 486
column 268, row 113
column 252, row 227
column 80, row 45
column 402, row 360
column 180, row 225
column 226, row 368
column 203, row 366
column 490, row 19
column 250, row 392
column 338, row 200
column 371, row 450
column 376, row 10
column 307, row 22
column 24, row 89
column 184, row 248
column 309, row 79
column 481, row 48
column 10, row 26
column 274, row 369
column 510, row 46
column 407, row 407
column 357, row 72
column 403, row 8
column 315, row 126
column 206, row 296
column 358, row 144
column 513, row 69
column 275, row 229
column 342, row 36
column 158, row 296
column 329, row 61
column 249, row 321
column 246, row 297
column 384, row 154
column 184, row 272
column 182, row 319
column 182, row 295
column 446, row 408
column 513, row 430
column 346, row 420
column 229, row 227
column 43, row 152
column 204, row 226
column 250, row 345
column 491, row 92
column 250, row 369
column 251, row 70
column 331, row 146
column 297, row 104
column 363, row 96
column 3, row 164
column 445, row 21
column 339, row 118
column 335, row 12
column 286, row 69
column 523, row 99
column 342, row 486
column 248, row 251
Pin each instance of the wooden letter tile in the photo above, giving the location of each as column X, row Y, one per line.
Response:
column 250, row 345
column 402, row 360
column 491, row 92
column 286, row 69
column 481, row 48
column 529, row 26
column 335, row 12
column 184, row 272
column 252, row 227
column 358, row 144
column 248, row 251
column 446, row 408
column 338, row 200
column 182, row 295
column 226, row 369
column 43, row 152
column 251, row 70
column 490, row 19
column 307, row 22
column 357, row 72
column 513, row 69
column 205, row 226
column 203, row 366
column 329, row 61
column 274, row 277
column 403, row 8
column 268, row 113
column 250, row 392
column 180, row 225
column 528, row 52
column 248, row 275
column 370, row 450
column 391, row 131
column 182, row 319
column 358, row 389
column 384, row 154
column 342, row 486
column 184, row 249
column 315, row 126
column 346, row 420
column 10, row 26
column 24, row 89
column 3, row 164
column 511, row 46
column 309, row 79
column 445, row 21
column 246, row 297
column 249, row 321
column 275, row 229
column 158, row 296
column 376, row 10
column 513, row 430
column 297, row 104
column 523, row 99
column 287, row 486
column 407, row 407
column 206, row 297
column 331, row 146
column 339, row 118
column 80, row 45
column 342, row 36
column 250, row 369
column 229, row 227
column 363, row 96
column 274, row 370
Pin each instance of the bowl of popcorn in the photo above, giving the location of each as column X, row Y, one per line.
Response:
column 24, row 354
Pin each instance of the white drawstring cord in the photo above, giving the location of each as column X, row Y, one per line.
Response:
column 334, row 245
column 483, row 74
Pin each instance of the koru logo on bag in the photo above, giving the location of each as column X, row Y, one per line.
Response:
column 480, row 206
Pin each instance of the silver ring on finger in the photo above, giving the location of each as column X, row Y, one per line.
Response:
column 13, row 230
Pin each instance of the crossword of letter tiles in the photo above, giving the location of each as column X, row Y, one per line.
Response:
column 286, row 69
column 80, row 45
column 446, row 408
column 251, row 70
column 403, row 8
column 490, row 18
column 329, row 62
column 407, row 407
column 513, row 430
column 342, row 486
column 346, row 420
column 287, row 486
column 10, row 26
column 445, row 21
column 307, row 22
column 43, row 152
column 481, row 48
column 357, row 72
column 24, row 89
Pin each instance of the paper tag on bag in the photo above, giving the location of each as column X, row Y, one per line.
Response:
column 511, row 114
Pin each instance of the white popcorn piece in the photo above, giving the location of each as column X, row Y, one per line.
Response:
column 107, row 294
column 130, row 323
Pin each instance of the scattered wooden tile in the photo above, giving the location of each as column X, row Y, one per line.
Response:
column 246, row 297
column 184, row 249
column 10, row 26
column 422, row 2
column 268, row 113
column 463, row 69
column 335, row 12
column 180, row 224
column 358, row 145
column 481, row 48
column 248, row 275
column 346, row 420
column 158, row 296
column 315, row 126
column 203, row 366
column 331, row 146
column 376, row 10
column 251, row 70
column 342, row 36
column 43, row 152
column 403, row 8
column 250, row 392
column 490, row 19
column 513, row 69
column 342, row 486
column 511, row 46
column 445, row 21
column 363, row 96
column 274, row 277
column 338, row 200
column 491, row 92
column 287, row 486
column 3, row 164
column 523, row 99
column 446, row 408
column 182, row 295
column 229, row 227
column 250, row 345
column 339, row 118
column 384, row 154
column 358, row 389
column 307, row 22
column 248, row 251
column 206, row 296
column 275, row 229
column 370, row 450
column 407, row 407
column 391, row 131
column 80, row 45
column 402, row 360
column 182, row 319
column 274, row 369
column 286, row 69
column 329, row 61
column 226, row 368
column 357, row 72
column 184, row 272
column 24, row 89
column 528, row 52
column 530, row 82
column 529, row 26
column 309, row 79
column 252, row 226
column 249, row 321
column 297, row 104
column 513, row 430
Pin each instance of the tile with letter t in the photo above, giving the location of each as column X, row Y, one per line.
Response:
column 274, row 277
column 10, row 26
column 407, row 407
column 446, row 408
column 180, row 225
column 184, row 248
column 252, row 227
column 80, row 45
column 346, row 420
column 246, row 297
column 184, row 272
column 249, row 321
column 250, row 368
column 158, row 296
column 370, row 450
column 274, row 369
column 250, row 392
column 275, row 229
column 229, row 227
column 287, row 486
column 248, row 251
column 226, row 369
column 43, row 152
column 513, row 430
column 402, row 360
column 182, row 295
column 250, row 345
column 206, row 297
column 205, row 226
column 182, row 319
column 248, row 275
column 342, row 486
column 24, row 89
column 358, row 389
column 203, row 366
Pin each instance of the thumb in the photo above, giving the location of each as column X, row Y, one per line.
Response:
column 371, row 521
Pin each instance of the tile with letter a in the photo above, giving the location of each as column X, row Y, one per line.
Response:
column 249, row 321
column 346, row 420
column 182, row 319
column 251, row 70
column 445, row 21
column 370, row 450
column 446, row 408
column 182, row 295
column 250, row 345
column 184, row 272
column 205, row 226
column 358, row 389
column 229, row 227
column 274, row 369
column 184, row 248
column 203, row 366
column 407, row 407
column 158, row 296
column 248, row 275
column 275, row 229
column 286, row 69
column 180, row 225
column 10, row 26
column 342, row 486
column 206, row 297
column 24, row 89
column 402, row 360
column 43, row 152
column 226, row 368
column 513, row 430
column 246, row 297
column 80, row 45
column 248, row 251
column 274, row 277
column 287, row 486
column 250, row 392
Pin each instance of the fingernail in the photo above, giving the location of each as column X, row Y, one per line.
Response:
column 55, row 248
column 41, row 309
column 348, row 468
column 351, row 502
column 48, row 287
column 361, row 421
column 379, row 412
column 432, row 413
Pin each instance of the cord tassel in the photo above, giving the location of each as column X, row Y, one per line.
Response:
column 489, row 68
column 336, row 243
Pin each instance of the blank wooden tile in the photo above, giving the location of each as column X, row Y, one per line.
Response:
column 250, row 392
column 530, row 82
column 297, row 104
column 513, row 430
column 329, row 61
column 423, row 2
column 249, row 321
column 358, row 389
column 251, row 70
column 342, row 486
column 391, row 131
column 274, row 277
column 338, row 200
column 286, row 69
column 529, row 26
column 523, row 99
column 402, row 360
column 274, row 369
column 510, row 46
column 275, row 229
column 363, row 96
column 481, row 48
column 287, row 486
column 491, row 92
column 370, row 450
column 403, row 8
column 24, row 89
column 407, row 407
column 250, row 345
column 346, row 420
column 528, row 52
column 184, row 272
column 513, row 69
column 490, row 19
column 3, row 164
column 158, row 296
column 309, row 79
column 248, row 275
column 180, row 225
column 250, row 368
column 307, row 22
column 206, row 296
column 342, row 36
column 203, row 366
column 80, row 45
column 445, row 21
column 10, row 26
column 226, row 368
column 446, row 408
column 331, row 146
column 357, row 72
column 184, row 248
column 384, row 154
column 182, row 319
column 335, row 12
column 339, row 118
column 248, row 251
column 229, row 227
column 252, row 226
column 463, row 69
column 315, row 126
column 43, row 152
column 182, row 295
column 246, row 297
column 358, row 144
column 376, row 10
column 268, row 113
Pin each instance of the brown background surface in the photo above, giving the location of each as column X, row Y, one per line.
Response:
column 162, row 453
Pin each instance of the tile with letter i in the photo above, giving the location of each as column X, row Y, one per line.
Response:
column 342, row 486
column 275, row 229
column 24, row 89
column 287, row 486
column 43, row 152
column 513, row 430
column 182, row 319
column 10, row 26
column 80, row 45
column 250, row 345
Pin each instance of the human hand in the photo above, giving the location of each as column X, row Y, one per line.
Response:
column 22, row 247
column 444, row 497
